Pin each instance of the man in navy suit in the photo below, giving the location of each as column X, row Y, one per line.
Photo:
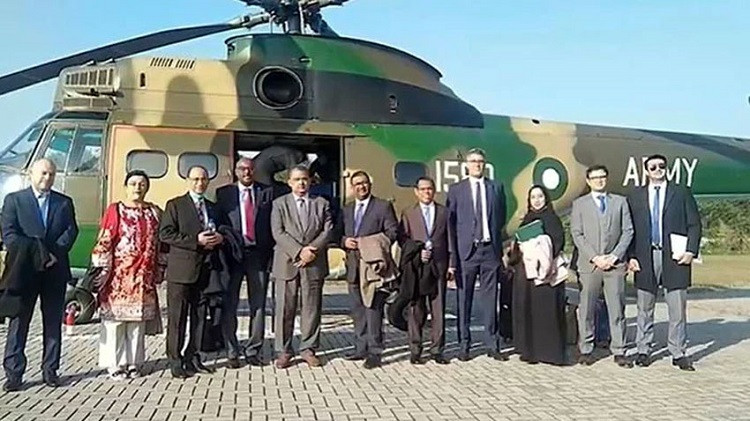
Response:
column 476, row 208
column 39, row 213
column 247, row 205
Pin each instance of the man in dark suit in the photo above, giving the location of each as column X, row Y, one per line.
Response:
column 477, row 216
column 301, row 225
column 39, row 212
column 662, row 212
column 188, row 226
column 367, row 215
column 427, row 222
column 247, row 206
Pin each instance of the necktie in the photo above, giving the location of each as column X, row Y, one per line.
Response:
column 602, row 203
column 478, row 215
column 303, row 216
column 655, row 228
column 358, row 218
column 42, row 202
column 427, row 225
column 199, row 209
column 247, row 203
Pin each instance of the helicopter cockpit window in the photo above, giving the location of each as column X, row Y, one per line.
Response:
column 59, row 146
column 153, row 163
column 208, row 161
column 407, row 173
column 17, row 152
column 87, row 148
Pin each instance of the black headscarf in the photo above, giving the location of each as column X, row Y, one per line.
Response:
column 552, row 224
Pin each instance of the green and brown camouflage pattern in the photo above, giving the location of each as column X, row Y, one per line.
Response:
column 349, row 92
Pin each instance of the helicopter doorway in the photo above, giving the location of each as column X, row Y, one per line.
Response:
column 274, row 154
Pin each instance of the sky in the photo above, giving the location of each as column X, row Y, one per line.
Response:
column 669, row 65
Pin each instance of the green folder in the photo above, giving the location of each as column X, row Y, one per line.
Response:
column 531, row 230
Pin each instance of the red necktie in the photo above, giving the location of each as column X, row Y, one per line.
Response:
column 249, row 215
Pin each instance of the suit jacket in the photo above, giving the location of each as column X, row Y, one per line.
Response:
column 379, row 217
column 461, row 216
column 21, row 218
column 680, row 216
column 291, row 238
column 586, row 230
column 228, row 203
column 412, row 227
column 179, row 228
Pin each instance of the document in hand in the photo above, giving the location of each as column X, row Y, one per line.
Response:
column 531, row 230
column 679, row 247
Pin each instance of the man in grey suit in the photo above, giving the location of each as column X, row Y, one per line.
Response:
column 301, row 226
column 602, row 229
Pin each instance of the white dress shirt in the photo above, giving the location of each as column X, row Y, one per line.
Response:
column 597, row 201
column 431, row 222
column 483, row 196
column 242, row 189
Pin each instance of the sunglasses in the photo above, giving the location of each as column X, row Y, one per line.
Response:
column 657, row 167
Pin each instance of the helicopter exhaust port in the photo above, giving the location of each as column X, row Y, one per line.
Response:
column 278, row 88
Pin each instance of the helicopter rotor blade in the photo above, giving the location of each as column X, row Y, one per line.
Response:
column 49, row 70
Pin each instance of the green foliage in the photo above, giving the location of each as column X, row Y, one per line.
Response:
column 726, row 227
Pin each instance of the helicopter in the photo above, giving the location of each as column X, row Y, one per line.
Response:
column 308, row 95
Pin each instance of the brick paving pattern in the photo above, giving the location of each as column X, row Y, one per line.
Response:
column 481, row 389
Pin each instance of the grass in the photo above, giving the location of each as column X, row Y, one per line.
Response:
column 723, row 270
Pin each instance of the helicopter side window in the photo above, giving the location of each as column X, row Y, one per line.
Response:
column 153, row 163
column 208, row 161
column 59, row 146
column 87, row 148
column 407, row 173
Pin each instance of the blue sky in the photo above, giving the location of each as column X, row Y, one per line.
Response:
column 673, row 65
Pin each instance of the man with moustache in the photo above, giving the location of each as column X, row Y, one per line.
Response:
column 367, row 215
column 302, row 226
column 660, row 211
column 188, row 226
column 46, row 219
column 247, row 206
column 427, row 222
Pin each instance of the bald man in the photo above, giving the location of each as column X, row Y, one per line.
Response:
column 28, row 215
column 247, row 205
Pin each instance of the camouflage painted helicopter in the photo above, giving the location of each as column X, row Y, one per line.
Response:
column 343, row 104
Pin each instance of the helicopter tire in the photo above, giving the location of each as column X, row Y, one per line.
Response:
column 84, row 303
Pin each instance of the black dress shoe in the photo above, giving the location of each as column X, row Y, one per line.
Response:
column 586, row 359
column 497, row 355
column 233, row 363
column 464, row 356
column 12, row 385
column 254, row 360
column 416, row 360
column 196, row 366
column 355, row 356
column 684, row 363
column 440, row 359
column 642, row 360
column 372, row 361
column 51, row 379
column 623, row 361
column 180, row 373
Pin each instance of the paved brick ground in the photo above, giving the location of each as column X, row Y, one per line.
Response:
column 481, row 389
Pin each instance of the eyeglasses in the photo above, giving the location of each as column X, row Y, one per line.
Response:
column 657, row 167
column 361, row 183
column 598, row 177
